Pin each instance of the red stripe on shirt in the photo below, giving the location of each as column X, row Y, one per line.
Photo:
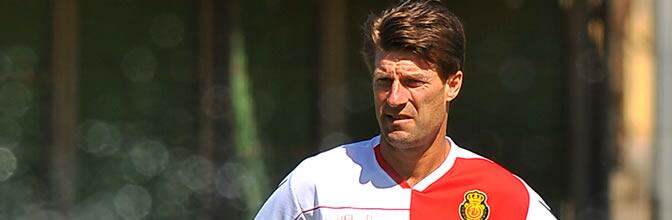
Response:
column 388, row 169
column 507, row 196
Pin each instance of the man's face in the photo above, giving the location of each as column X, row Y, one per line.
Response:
column 411, row 99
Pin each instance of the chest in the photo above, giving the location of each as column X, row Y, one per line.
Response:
column 447, row 198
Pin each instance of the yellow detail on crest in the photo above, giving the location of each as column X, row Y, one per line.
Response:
column 474, row 206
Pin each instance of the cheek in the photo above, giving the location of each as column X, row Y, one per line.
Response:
column 378, row 101
column 434, row 102
column 379, row 97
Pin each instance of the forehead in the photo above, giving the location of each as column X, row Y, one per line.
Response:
column 402, row 61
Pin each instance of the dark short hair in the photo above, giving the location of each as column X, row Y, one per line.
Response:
column 422, row 27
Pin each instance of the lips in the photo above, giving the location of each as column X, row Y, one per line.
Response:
column 398, row 118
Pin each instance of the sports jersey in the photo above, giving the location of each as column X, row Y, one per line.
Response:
column 353, row 182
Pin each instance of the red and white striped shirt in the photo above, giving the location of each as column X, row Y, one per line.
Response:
column 354, row 182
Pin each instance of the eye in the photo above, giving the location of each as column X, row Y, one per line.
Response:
column 383, row 82
column 414, row 83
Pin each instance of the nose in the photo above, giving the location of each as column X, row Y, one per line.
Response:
column 398, row 95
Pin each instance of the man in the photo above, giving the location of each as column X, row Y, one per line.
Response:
column 411, row 171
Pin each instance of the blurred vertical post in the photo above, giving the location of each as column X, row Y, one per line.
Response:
column 245, row 137
column 210, row 77
column 332, row 88
column 591, row 120
column 632, row 54
column 206, row 72
column 64, row 74
column 663, row 176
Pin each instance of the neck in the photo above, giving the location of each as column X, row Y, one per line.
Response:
column 415, row 163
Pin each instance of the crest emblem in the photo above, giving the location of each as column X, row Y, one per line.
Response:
column 474, row 206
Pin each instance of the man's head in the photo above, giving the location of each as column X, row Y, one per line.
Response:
column 416, row 53
column 425, row 28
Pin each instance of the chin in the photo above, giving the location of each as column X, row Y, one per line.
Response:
column 400, row 140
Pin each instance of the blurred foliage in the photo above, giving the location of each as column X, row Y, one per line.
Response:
column 140, row 108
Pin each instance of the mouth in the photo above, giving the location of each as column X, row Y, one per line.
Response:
column 398, row 118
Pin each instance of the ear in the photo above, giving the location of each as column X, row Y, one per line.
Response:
column 453, row 85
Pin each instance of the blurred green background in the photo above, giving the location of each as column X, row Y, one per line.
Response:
column 180, row 109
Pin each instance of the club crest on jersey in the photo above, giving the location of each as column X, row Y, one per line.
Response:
column 474, row 206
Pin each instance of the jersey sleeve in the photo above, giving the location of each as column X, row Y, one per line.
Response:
column 293, row 195
column 282, row 204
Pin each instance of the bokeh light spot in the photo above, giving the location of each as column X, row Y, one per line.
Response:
column 132, row 202
column 99, row 138
column 172, row 211
column 167, row 30
column 196, row 173
column 10, row 132
column 100, row 206
column 139, row 65
column 149, row 157
column 7, row 164
column 228, row 180
column 23, row 59
column 172, row 192
column 15, row 99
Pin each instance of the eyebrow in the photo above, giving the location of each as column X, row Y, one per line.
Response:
column 380, row 72
column 415, row 75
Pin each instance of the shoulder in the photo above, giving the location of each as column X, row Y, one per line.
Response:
column 506, row 194
column 341, row 160
column 296, row 193
column 504, row 188
column 472, row 164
